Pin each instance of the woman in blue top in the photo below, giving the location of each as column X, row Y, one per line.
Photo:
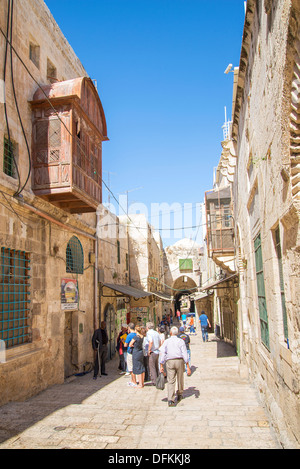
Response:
column 204, row 321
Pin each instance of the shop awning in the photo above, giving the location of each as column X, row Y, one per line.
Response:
column 218, row 282
column 127, row 290
column 199, row 296
column 163, row 296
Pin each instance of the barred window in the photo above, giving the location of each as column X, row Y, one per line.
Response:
column 14, row 297
column 9, row 157
column 74, row 256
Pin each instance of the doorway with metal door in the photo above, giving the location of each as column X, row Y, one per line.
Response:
column 68, row 344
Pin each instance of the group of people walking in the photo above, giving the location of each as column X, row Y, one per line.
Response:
column 144, row 353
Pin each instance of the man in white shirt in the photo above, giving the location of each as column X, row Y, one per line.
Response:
column 153, row 351
column 174, row 354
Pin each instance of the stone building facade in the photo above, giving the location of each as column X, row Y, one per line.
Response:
column 266, row 193
column 52, row 259
column 146, row 254
column 222, row 284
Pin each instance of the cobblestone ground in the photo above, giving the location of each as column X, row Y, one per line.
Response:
column 219, row 411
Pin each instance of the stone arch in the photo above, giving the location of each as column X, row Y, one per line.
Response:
column 183, row 286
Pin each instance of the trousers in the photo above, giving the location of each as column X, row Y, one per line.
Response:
column 175, row 370
column 153, row 366
column 204, row 333
column 102, row 356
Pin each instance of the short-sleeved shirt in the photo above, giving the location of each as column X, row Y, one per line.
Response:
column 153, row 336
column 129, row 339
column 186, row 339
column 203, row 319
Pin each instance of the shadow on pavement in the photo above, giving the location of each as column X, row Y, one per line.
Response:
column 16, row 417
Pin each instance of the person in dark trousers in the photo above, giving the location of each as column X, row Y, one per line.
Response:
column 205, row 324
column 182, row 335
column 99, row 343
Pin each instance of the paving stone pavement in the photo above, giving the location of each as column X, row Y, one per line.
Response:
column 220, row 410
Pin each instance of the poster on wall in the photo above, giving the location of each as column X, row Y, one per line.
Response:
column 139, row 315
column 69, row 294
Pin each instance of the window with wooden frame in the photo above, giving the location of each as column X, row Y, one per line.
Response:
column 48, row 141
column 14, row 297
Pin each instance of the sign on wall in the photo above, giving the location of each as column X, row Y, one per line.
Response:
column 139, row 315
column 69, row 294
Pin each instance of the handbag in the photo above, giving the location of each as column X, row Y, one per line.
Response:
column 160, row 382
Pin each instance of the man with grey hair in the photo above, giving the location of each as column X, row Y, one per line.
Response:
column 174, row 354
column 153, row 351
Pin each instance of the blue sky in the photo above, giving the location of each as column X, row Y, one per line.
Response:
column 159, row 67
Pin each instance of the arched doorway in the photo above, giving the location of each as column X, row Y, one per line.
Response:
column 183, row 287
column 110, row 319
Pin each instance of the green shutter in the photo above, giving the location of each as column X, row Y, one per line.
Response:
column 185, row 264
column 262, row 304
column 279, row 258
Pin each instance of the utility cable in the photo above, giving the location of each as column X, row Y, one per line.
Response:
column 71, row 135
column 17, row 106
column 10, row 144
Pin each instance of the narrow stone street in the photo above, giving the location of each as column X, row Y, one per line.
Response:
column 219, row 411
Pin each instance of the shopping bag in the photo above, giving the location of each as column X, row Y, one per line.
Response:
column 160, row 382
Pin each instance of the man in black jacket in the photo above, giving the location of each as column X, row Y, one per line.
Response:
column 99, row 343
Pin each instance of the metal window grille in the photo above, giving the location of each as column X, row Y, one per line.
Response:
column 74, row 256
column 14, row 297
column 9, row 154
column 262, row 304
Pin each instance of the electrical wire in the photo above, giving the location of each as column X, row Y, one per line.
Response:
column 8, row 31
column 216, row 219
column 71, row 135
column 17, row 106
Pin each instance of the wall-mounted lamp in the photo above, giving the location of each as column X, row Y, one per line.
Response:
column 228, row 69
